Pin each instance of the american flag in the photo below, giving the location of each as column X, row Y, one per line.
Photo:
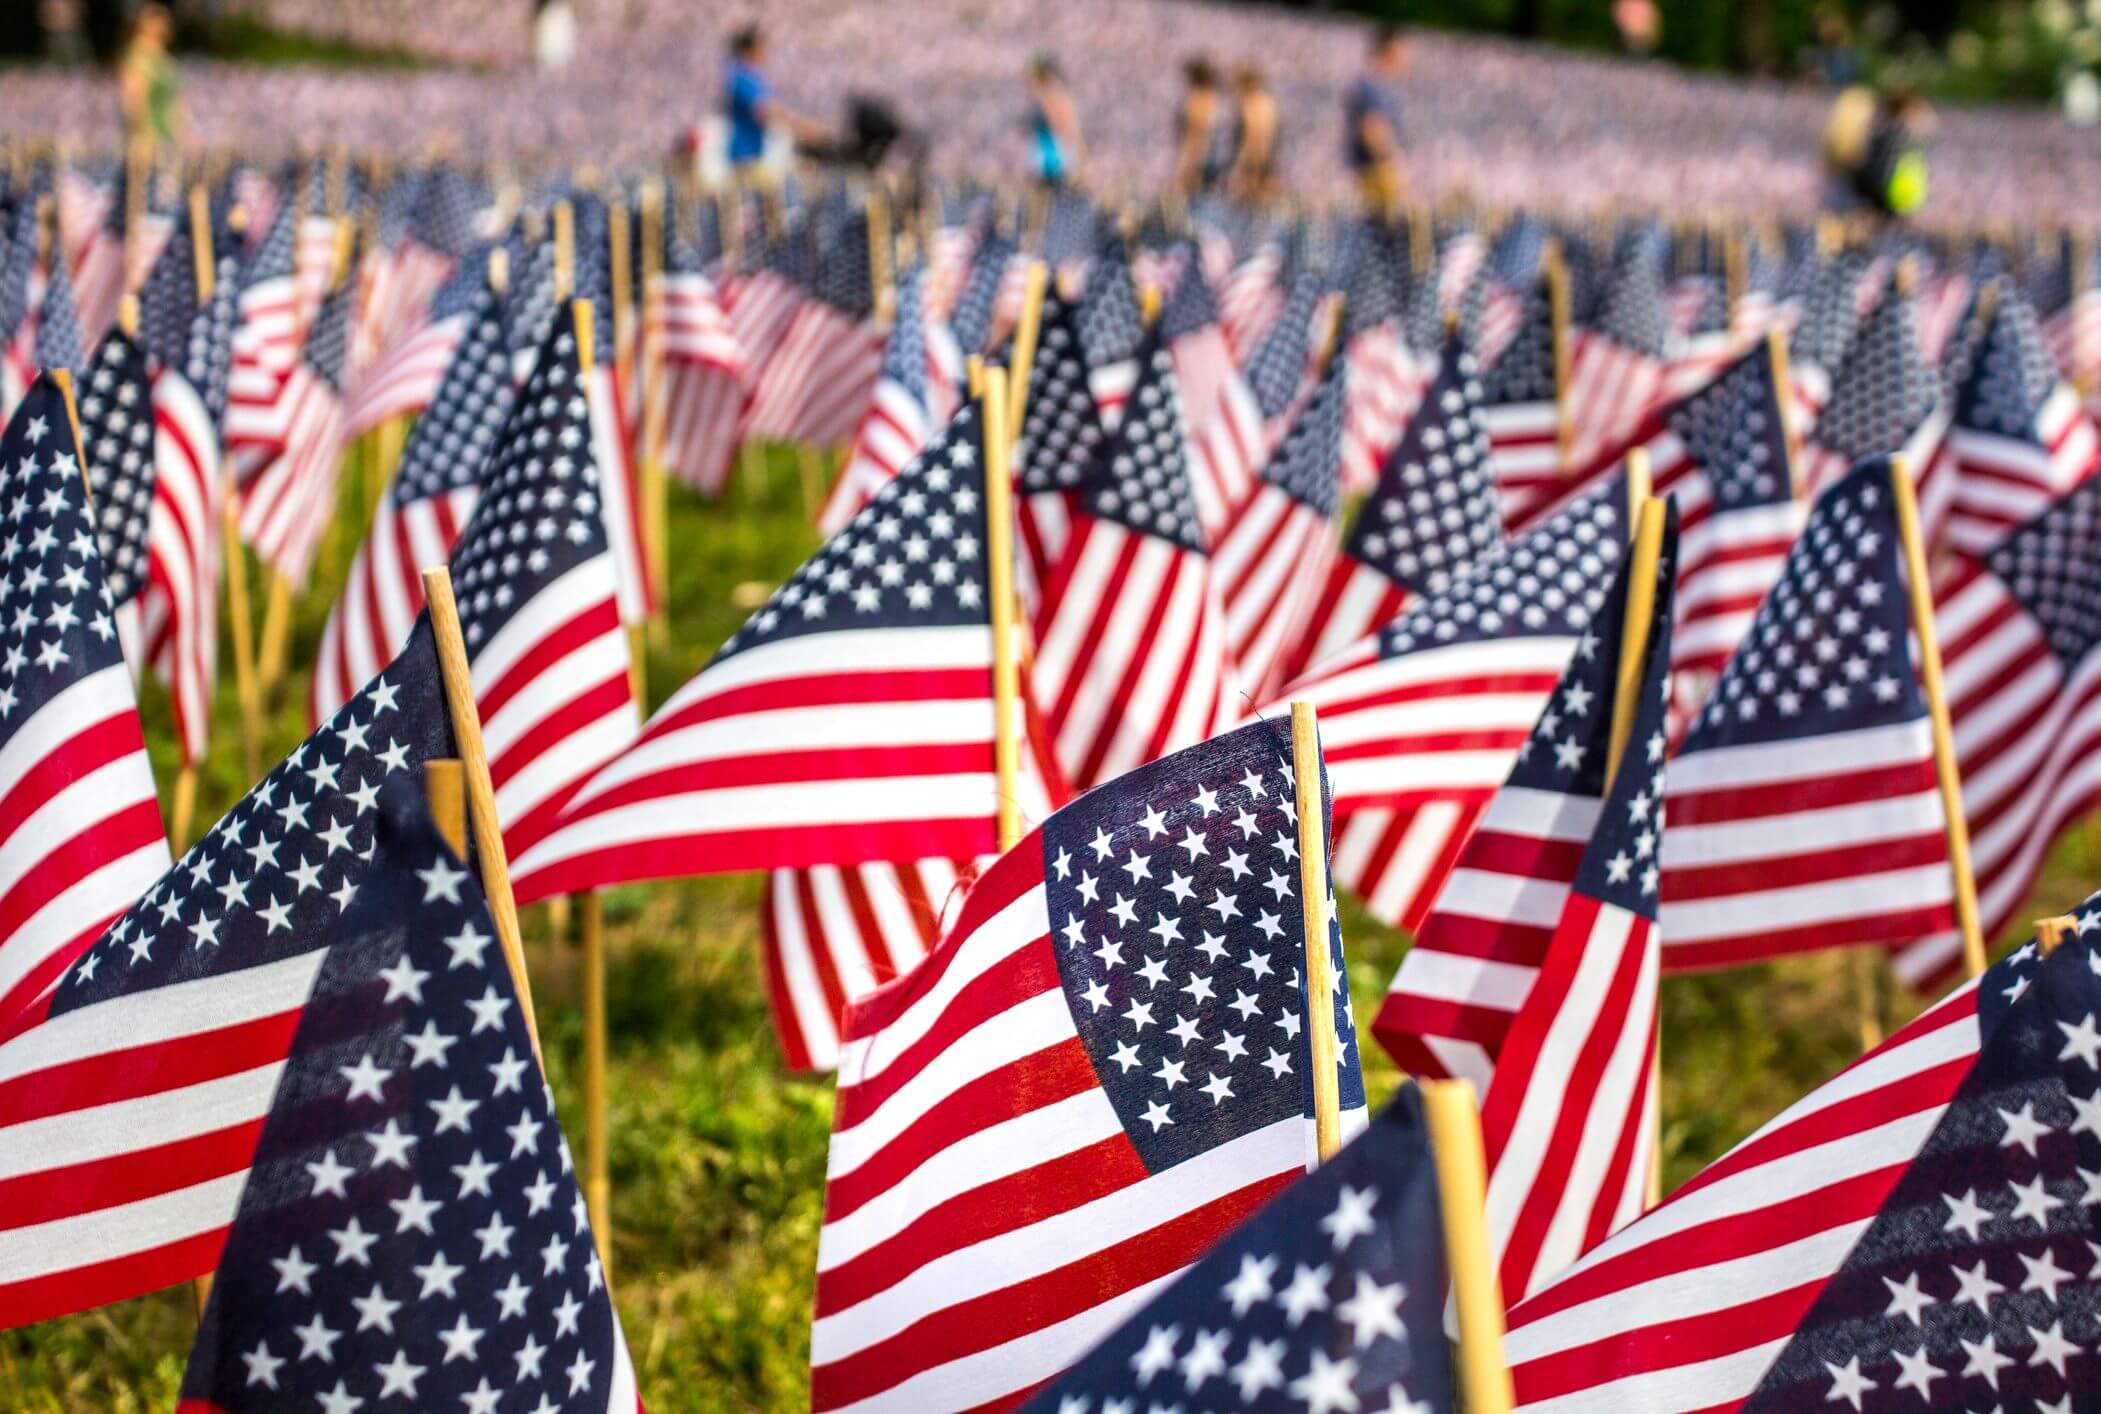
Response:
column 1499, row 908
column 898, row 419
column 1330, row 1298
column 1131, row 658
column 1253, row 299
column 139, row 1083
column 1885, row 398
column 816, row 382
column 18, row 367
column 1228, row 442
column 762, row 306
column 1098, row 1073
column 1277, row 370
column 1616, row 365
column 98, row 277
column 1061, row 436
column 313, row 250
column 289, row 506
column 1432, row 513
column 1386, row 380
column 2018, row 629
column 1805, row 810
column 1112, row 329
column 972, row 318
column 1829, row 323
column 538, row 599
column 850, row 719
column 58, row 341
column 2075, row 332
column 85, row 832
column 1423, row 722
column 1266, row 564
column 266, row 344
column 403, row 378
column 704, row 375
column 1521, row 410
column 411, row 1227
column 421, row 513
column 2017, row 437
column 116, row 431
column 1905, row 1235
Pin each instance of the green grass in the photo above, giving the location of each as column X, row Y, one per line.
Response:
column 718, row 1156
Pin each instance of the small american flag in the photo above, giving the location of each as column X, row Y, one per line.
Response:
column 1278, row 366
column 411, row 1226
column 1252, row 299
column 1829, row 323
column 898, row 418
column 1499, row 911
column 116, row 430
column 403, row 378
column 704, row 375
column 992, row 1210
column 1330, row 1298
column 1061, row 436
column 1432, row 513
column 1386, row 381
column 1423, row 722
column 85, row 832
column 972, row 318
column 140, row 1082
column 817, row 381
column 1131, row 659
column 1885, row 398
column 1616, row 365
column 1112, row 328
column 289, row 506
column 1228, row 442
column 1521, row 412
column 849, row 719
column 421, row 514
column 58, row 338
column 266, row 343
column 1912, row 1233
column 1805, row 811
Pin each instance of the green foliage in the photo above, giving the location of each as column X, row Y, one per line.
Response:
column 718, row 1156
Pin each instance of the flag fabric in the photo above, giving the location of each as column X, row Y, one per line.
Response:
column 1424, row 721
column 115, row 395
column 83, row 832
column 1228, row 441
column 1804, row 806
column 137, row 1085
column 1267, row 566
column 288, row 507
column 1277, row 369
column 1252, row 299
column 1885, row 398
column 539, row 600
column 1499, row 908
column 1096, row 1075
column 704, row 371
column 1830, row 321
column 1131, row 649
column 403, row 378
column 850, row 719
column 419, row 517
column 1386, row 381
column 971, row 318
column 1569, row 1121
column 1329, row 1298
column 1908, row 1232
column 1521, row 413
column 1061, row 436
column 1189, row 327
column 58, row 339
column 898, row 419
column 2017, row 437
column 2018, row 635
column 1616, row 365
column 817, row 380
column 1112, row 329
column 411, row 1228
column 266, row 344
column 1432, row 513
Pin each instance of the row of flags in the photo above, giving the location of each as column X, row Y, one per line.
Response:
column 1659, row 711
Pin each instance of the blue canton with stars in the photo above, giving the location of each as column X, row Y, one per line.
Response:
column 1829, row 322
column 1061, row 427
column 540, row 514
column 1734, row 430
column 1190, row 307
column 904, row 352
column 1524, row 372
column 1279, row 362
column 1827, row 651
column 411, row 1228
column 1140, row 476
column 1329, row 1300
column 1111, row 327
column 116, row 424
column 58, row 341
column 1173, row 895
column 1434, row 510
column 1884, row 389
column 453, row 440
column 2053, row 566
column 1307, row 463
column 55, row 624
column 912, row 558
column 1980, row 1278
column 2012, row 374
column 1632, row 314
column 971, row 320
column 271, row 878
column 1550, row 581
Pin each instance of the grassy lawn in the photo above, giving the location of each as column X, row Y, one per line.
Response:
column 718, row 1156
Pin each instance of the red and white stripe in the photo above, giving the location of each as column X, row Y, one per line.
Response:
column 1612, row 389
column 291, row 504
column 403, row 377
column 816, row 381
column 313, row 264
column 1250, row 300
column 395, row 289
column 2001, row 482
column 259, row 412
column 1350, row 600
column 620, row 487
column 179, row 608
column 704, row 383
column 1227, row 449
column 1386, row 382
column 1524, row 447
column 892, row 431
column 1266, row 568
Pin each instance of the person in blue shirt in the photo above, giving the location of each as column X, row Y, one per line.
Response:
column 750, row 104
column 1371, row 115
column 1055, row 146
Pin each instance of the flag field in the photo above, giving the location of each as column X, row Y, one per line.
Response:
column 718, row 1157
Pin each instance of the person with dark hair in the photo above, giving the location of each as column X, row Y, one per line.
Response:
column 1371, row 115
column 1203, row 140
column 1055, row 146
column 152, row 111
column 750, row 105
column 1254, row 175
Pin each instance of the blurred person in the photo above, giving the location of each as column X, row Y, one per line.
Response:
column 1203, row 138
column 146, row 89
column 1371, row 114
column 1056, row 148
column 1891, row 176
column 554, row 33
column 1836, row 58
column 750, row 106
column 1640, row 26
column 1254, row 175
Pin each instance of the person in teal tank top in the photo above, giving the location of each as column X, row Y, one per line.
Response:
column 1055, row 146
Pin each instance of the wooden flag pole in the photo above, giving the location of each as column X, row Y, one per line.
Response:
column 2050, row 933
column 1007, row 725
column 247, row 691
column 202, row 267
column 656, row 410
column 2083, row 371
column 1477, row 1290
column 597, row 1175
column 445, row 791
column 1647, row 551
column 481, row 791
column 1783, row 393
column 564, row 249
column 1973, row 959
column 1555, row 271
column 1640, row 487
column 1026, row 331
column 882, row 284
column 1321, row 981
column 620, row 272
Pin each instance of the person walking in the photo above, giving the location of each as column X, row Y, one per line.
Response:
column 1371, row 114
column 146, row 93
column 751, row 108
column 1056, row 148
column 1202, row 136
column 1254, row 174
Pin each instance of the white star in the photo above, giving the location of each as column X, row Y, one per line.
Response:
column 1262, row 1368
column 474, row 1175
column 453, row 1111
column 294, row 1273
column 1917, row 1372
column 1157, row 1354
column 1906, row 1300
column 460, row 1341
column 481, row 1399
column 441, row 881
column 2083, row 1041
column 1327, row 1387
column 1352, row 1217
column 365, row 1079
column 1965, row 1214
column 353, row 1243
column 1307, row 1293
column 488, row 1010
column 404, row 979
column 1847, row 1382
column 439, row 1277
column 510, row 1299
column 1974, row 1285
column 376, row 1309
column 1984, row 1361
column 329, row 1175
column 1374, row 1310
column 262, row 1365
column 1156, row 1116
column 495, row 1237
column 2034, row 1201
column 2043, row 1274
column 1206, row 1358
column 2051, row 1347
column 391, row 1145
column 2022, row 1128
column 316, row 1340
column 398, row 1376
column 339, row 1401
column 579, row 1373
column 429, row 1045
